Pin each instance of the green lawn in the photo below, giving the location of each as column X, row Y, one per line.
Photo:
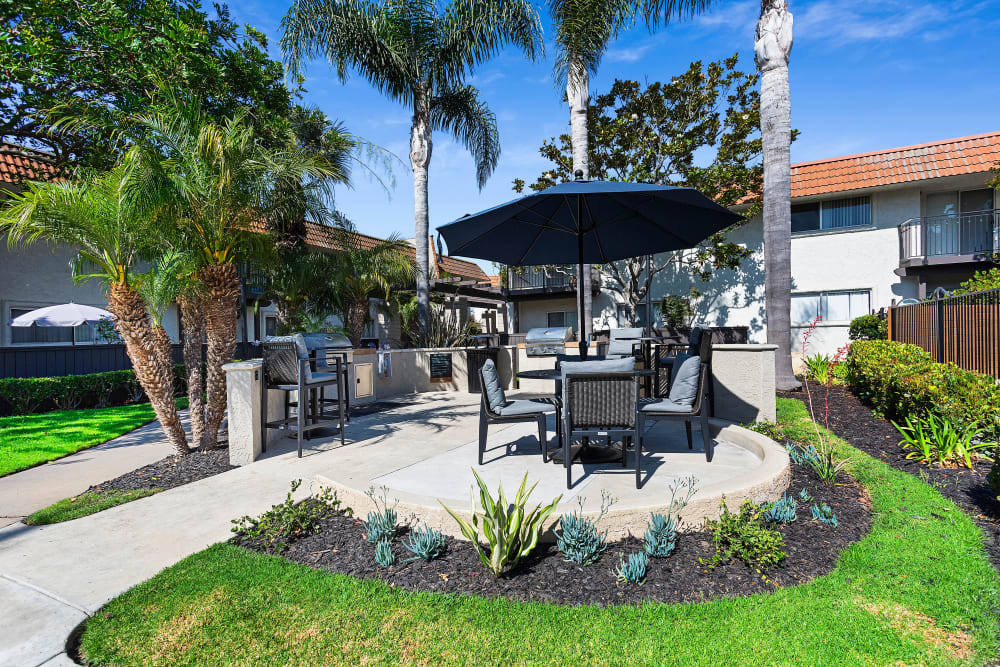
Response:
column 917, row 590
column 28, row 440
column 84, row 504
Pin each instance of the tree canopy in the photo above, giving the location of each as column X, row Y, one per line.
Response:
column 66, row 57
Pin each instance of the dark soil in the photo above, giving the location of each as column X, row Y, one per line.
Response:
column 853, row 420
column 170, row 472
column 812, row 549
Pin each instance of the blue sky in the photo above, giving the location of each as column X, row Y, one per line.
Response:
column 864, row 76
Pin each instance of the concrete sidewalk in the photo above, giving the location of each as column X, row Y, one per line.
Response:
column 53, row 577
column 28, row 491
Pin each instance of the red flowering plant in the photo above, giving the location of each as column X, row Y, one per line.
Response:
column 820, row 457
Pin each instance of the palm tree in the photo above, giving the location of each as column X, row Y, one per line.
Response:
column 364, row 271
column 107, row 218
column 584, row 29
column 220, row 182
column 772, row 46
column 418, row 53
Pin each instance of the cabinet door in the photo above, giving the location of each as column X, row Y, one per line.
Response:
column 364, row 376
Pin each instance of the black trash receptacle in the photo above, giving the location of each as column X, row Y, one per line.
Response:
column 477, row 356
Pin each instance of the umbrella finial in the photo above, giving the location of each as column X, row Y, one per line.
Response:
column 578, row 174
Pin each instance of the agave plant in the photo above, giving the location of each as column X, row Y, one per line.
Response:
column 511, row 531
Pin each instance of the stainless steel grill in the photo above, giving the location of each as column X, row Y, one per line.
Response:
column 546, row 342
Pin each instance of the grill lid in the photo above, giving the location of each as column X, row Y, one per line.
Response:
column 328, row 341
column 548, row 336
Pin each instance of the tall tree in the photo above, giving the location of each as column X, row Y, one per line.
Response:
column 61, row 57
column 220, row 181
column 107, row 218
column 418, row 53
column 584, row 28
column 772, row 47
column 651, row 134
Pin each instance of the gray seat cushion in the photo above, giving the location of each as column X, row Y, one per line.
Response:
column 662, row 405
column 526, row 407
column 684, row 380
column 495, row 396
column 622, row 342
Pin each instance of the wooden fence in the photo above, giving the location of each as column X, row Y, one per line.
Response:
column 963, row 329
column 59, row 360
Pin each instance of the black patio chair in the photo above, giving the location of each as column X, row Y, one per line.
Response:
column 599, row 401
column 664, row 354
column 287, row 368
column 689, row 398
column 495, row 408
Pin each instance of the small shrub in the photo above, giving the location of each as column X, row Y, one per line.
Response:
column 70, row 392
column 818, row 368
column 288, row 520
column 384, row 555
column 578, row 538
column 632, row 571
column 938, row 440
column 745, row 536
column 767, row 428
column 511, row 531
column 825, row 514
column 822, row 462
column 805, row 496
column 381, row 524
column 869, row 327
column 781, row 511
column 660, row 537
column 425, row 542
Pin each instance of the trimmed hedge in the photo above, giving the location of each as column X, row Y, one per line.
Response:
column 903, row 380
column 21, row 396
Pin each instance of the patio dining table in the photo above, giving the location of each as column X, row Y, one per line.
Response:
column 590, row 453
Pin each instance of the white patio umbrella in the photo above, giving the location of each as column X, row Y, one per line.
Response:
column 64, row 315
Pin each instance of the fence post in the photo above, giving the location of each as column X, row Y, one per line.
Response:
column 939, row 305
column 889, row 322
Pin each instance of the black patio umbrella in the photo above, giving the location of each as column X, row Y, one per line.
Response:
column 588, row 222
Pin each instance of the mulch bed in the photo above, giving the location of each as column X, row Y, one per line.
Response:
column 852, row 420
column 812, row 550
column 171, row 472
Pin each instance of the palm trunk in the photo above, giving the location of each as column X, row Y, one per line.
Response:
column 420, row 159
column 193, row 323
column 578, row 94
column 356, row 314
column 772, row 48
column 222, row 283
column 149, row 349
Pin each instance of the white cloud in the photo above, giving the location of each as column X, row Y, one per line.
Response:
column 630, row 54
column 856, row 21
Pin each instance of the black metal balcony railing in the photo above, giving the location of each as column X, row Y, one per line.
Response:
column 950, row 235
column 545, row 279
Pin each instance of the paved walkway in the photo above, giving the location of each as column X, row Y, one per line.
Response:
column 53, row 577
column 28, row 491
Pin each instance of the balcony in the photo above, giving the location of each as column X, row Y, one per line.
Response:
column 541, row 281
column 957, row 238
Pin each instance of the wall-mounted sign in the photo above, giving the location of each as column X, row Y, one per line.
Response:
column 441, row 367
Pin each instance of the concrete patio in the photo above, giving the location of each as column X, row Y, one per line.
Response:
column 52, row 577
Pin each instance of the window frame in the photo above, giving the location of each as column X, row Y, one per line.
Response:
column 833, row 230
column 823, row 296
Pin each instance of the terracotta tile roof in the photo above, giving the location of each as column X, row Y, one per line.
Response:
column 494, row 280
column 461, row 267
column 19, row 164
column 950, row 157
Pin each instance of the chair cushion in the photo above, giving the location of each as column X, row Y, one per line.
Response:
column 526, row 407
column 684, row 384
column 495, row 396
column 662, row 405
column 302, row 352
column 622, row 342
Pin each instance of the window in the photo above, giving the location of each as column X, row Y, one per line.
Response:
column 561, row 319
column 831, row 306
column 833, row 214
column 270, row 326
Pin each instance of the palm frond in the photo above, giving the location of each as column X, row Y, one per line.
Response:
column 656, row 11
column 460, row 112
column 473, row 31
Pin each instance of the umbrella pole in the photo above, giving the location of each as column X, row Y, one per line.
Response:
column 579, row 279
